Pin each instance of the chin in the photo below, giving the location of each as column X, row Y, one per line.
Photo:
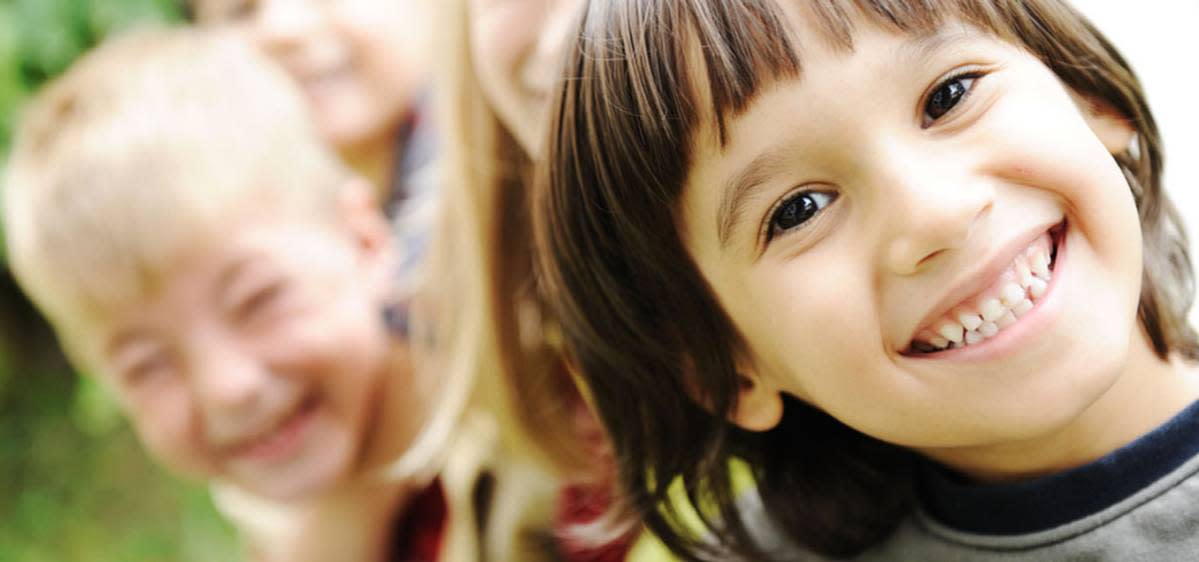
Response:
column 323, row 470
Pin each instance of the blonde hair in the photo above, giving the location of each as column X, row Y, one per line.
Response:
column 144, row 145
column 493, row 323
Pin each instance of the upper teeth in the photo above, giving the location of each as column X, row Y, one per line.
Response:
column 992, row 312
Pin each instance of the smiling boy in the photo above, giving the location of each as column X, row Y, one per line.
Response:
column 200, row 251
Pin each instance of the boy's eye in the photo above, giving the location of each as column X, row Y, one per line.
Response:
column 260, row 301
column 147, row 370
column 240, row 10
column 947, row 95
column 797, row 210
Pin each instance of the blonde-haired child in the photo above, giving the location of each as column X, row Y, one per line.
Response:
column 362, row 66
column 499, row 69
column 172, row 210
column 910, row 261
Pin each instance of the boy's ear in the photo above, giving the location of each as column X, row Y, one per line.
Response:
column 360, row 213
column 759, row 403
column 1113, row 129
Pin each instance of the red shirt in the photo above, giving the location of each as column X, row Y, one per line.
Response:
column 421, row 528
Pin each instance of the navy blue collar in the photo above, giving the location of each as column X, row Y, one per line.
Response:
column 1044, row 503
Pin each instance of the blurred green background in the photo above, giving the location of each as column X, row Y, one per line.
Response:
column 74, row 483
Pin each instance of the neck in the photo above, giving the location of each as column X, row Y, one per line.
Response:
column 1148, row 393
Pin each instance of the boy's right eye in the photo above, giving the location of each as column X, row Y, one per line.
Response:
column 796, row 210
column 147, row 370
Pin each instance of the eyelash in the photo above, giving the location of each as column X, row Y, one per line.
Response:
column 260, row 301
column 769, row 232
column 970, row 76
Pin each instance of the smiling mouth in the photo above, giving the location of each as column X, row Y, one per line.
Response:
column 1021, row 287
column 283, row 438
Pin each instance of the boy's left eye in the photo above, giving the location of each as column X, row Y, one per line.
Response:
column 947, row 95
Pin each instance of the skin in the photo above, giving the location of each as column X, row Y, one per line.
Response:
column 516, row 47
column 275, row 324
column 918, row 205
column 359, row 63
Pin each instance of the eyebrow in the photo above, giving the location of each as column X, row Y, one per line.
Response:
column 740, row 188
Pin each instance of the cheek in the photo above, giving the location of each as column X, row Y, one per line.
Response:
column 341, row 351
column 499, row 40
column 170, row 432
column 1052, row 149
column 812, row 324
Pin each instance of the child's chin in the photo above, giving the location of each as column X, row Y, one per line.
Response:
column 302, row 479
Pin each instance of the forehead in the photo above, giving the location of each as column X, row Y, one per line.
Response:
column 202, row 263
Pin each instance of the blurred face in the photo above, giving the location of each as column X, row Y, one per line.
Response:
column 925, row 237
column 358, row 61
column 516, row 46
column 260, row 360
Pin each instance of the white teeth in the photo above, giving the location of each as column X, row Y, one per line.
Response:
column 1022, row 308
column 992, row 310
column 951, row 332
column 1040, row 265
column 1024, row 274
column 1011, row 294
column 970, row 321
column 1015, row 299
column 988, row 329
column 1038, row 288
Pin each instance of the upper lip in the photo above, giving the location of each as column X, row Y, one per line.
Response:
column 983, row 276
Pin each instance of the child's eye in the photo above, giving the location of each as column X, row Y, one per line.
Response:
column 147, row 370
column 947, row 95
column 241, row 10
column 796, row 210
column 260, row 301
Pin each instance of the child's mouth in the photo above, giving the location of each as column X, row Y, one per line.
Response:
column 1023, row 285
column 284, row 437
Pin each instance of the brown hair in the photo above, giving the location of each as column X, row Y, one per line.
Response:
column 646, row 329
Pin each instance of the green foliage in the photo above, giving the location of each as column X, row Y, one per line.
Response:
column 74, row 483
column 40, row 38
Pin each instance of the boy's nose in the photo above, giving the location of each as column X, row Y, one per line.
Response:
column 229, row 386
column 285, row 24
column 927, row 215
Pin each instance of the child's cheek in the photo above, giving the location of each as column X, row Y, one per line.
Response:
column 173, row 434
column 1039, row 139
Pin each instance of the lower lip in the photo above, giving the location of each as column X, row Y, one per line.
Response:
column 286, row 441
column 1013, row 338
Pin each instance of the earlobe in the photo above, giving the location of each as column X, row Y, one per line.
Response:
column 759, row 405
column 361, row 214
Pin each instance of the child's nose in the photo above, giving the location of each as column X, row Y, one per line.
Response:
column 228, row 385
column 284, row 24
column 928, row 215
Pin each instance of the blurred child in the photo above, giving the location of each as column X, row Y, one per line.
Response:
column 204, row 255
column 362, row 66
column 910, row 261
column 501, row 66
